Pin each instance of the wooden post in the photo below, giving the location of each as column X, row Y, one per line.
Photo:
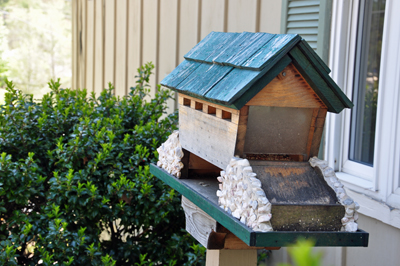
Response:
column 227, row 257
column 223, row 247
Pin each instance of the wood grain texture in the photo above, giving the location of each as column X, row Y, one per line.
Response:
column 179, row 74
column 252, row 46
column 231, row 241
column 196, row 162
column 313, row 57
column 185, row 160
column 207, row 104
column 289, row 91
column 231, row 49
column 311, row 133
column 324, row 86
column 215, row 44
column 194, row 167
column 203, row 78
column 198, row 223
column 293, row 183
column 272, row 51
column 319, row 128
column 239, row 100
column 227, row 257
column 242, row 129
column 207, row 136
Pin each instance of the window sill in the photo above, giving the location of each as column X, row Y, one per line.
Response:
column 355, row 180
column 376, row 209
column 358, row 188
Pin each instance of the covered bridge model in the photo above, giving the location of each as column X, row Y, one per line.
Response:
column 259, row 94
column 252, row 108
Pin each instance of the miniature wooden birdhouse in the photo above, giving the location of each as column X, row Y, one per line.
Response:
column 252, row 108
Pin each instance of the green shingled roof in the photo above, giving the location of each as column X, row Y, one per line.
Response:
column 231, row 68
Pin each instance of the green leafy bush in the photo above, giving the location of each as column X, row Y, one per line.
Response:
column 75, row 185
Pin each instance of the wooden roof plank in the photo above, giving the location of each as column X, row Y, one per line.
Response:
column 247, row 52
column 315, row 80
column 199, row 52
column 272, row 50
column 239, row 101
column 233, row 83
column 203, row 78
column 313, row 56
column 242, row 40
column 212, row 43
column 219, row 47
column 241, row 68
column 179, row 74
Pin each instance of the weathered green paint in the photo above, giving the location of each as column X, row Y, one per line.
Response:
column 318, row 63
column 204, row 78
column 231, row 68
column 261, row 83
column 180, row 73
column 272, row 51
column 322, row 239
column 251, row 238
column 324, row 86
column 232, row 224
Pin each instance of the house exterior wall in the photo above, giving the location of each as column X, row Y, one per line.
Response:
column 383, row 248
column 111, row 39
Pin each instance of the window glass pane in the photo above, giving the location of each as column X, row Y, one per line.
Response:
column 365, row 97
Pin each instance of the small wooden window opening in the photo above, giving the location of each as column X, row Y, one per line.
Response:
column 186, row 102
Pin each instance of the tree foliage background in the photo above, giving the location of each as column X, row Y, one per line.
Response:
column 35, row 43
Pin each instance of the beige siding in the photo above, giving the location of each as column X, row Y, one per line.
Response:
column 383, row 248
column 111, row 38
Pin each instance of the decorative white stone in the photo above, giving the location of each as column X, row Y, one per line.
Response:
column 351, row 216
column 241, row 193
column 170, row 154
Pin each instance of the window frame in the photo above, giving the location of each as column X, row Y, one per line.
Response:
column 380, row 183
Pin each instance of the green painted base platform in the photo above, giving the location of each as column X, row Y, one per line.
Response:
column 202, row 192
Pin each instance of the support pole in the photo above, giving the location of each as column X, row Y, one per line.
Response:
column 227, row 257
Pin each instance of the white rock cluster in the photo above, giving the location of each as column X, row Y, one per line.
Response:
column 170, row 154
column 240, row 194
column 351, row 216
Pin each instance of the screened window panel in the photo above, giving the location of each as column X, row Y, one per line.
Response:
column 366, row 82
